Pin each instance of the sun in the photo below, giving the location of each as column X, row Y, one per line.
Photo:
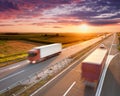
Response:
column 84, row 28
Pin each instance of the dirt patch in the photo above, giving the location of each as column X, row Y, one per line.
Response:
column 12, row 47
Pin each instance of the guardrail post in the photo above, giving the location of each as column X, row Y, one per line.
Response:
column 50, row 69
column 64, row 61
column 8, row 88
column 55, row 68
column 29, row 79
column 58, row 66
column 13, row 95
column 25, row 87
column 37, row 77
column 20, row 83
column 63, row 64
column 43, row 72
column 47, row 72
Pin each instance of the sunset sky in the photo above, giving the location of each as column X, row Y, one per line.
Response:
column 59, row 16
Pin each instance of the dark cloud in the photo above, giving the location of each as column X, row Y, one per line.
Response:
column 57, row 27
column 7, row 6
column 96, row 12
column 103, row 22
column 6, row 25
column 69, row 22
column 27, row 8
column 38, row 24
column 90, row 10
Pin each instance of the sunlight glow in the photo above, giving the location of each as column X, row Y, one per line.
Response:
column 84, row 28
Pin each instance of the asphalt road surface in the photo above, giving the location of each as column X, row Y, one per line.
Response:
column 70, row 82
column 111, row 85
column 17, row 72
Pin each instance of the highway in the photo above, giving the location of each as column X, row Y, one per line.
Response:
column 12, row 74
column 69, row 83
column 111, row 85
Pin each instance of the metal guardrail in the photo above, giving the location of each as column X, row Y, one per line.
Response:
column 38, row 76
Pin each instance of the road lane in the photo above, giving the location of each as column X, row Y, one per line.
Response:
column 109, row 58
column 11, row 76
column 63, row 83
column 33, row 68
column 29, row 70
column 69, row 88
column 59, row 86
column 66, row 51
column 62, row 73
column 11, row 69
column 111, row 86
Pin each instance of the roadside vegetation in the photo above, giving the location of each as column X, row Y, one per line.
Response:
column 29, row 89
column 118, row 34
column 13, row 51
column 14, row 47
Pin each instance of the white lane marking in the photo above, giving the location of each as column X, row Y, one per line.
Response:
column 61, row 73
column 3, row 70
column 9, row 67
column 114, row 44
column 14, row 67
column 69, row 88
column 11, row 75
column 111, row 45
column 52, row 79
column 99, row 89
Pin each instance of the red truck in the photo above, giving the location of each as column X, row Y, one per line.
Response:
column 92, row 66
column 43, row 52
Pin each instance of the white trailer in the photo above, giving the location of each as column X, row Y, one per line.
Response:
column 43, row 52
column 92, row 66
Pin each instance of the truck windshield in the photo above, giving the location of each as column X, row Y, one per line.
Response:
column 31, row 54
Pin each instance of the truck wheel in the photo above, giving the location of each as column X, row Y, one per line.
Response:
column 90, row 84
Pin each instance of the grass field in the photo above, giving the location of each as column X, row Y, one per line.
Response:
column 15, row 46
column 13, row 50
column 119, row 40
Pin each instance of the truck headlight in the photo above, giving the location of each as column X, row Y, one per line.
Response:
column 33, row 61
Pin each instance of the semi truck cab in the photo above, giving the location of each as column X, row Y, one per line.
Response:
column 33, row 56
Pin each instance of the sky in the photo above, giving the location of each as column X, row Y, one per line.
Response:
column 59, row 16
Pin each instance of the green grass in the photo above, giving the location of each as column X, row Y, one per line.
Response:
column 36, row 86
column 28, row 91
column 13, row 50
column 42, row 82
column 5, row 61
column 12, row 91
column 66, row 40
column 119, row 41
column 14, row 57
column 12, row 53
column 2, row 42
